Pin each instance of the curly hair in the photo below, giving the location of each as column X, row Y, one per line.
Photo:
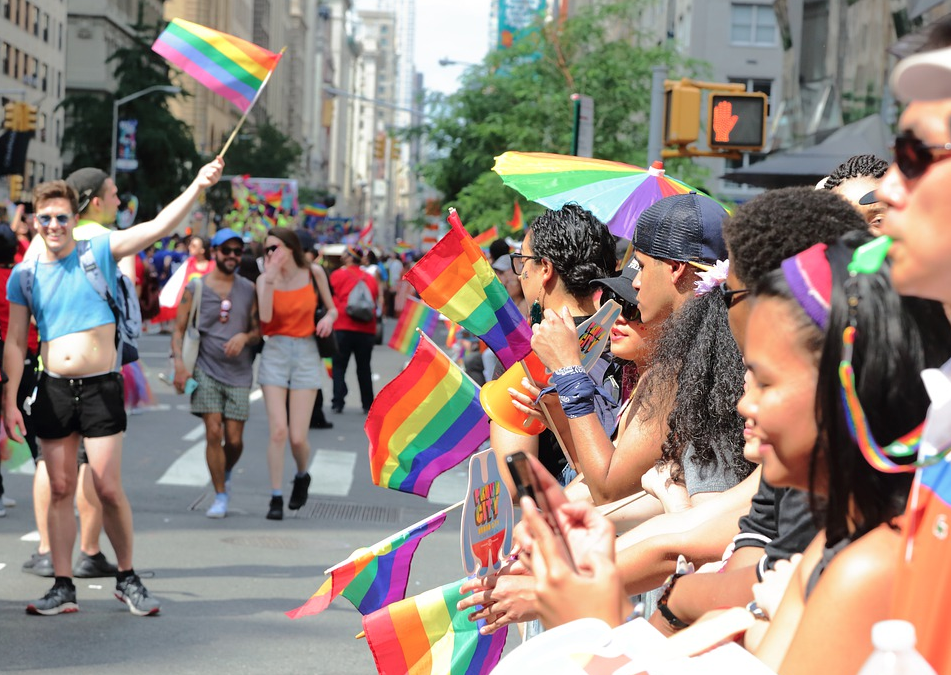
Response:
column 778, row 224
column 578, row 245
column 865, row 166
column 697, row 351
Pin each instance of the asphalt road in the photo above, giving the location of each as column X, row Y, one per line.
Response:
column 224, row 584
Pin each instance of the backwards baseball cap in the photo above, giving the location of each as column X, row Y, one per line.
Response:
column 223, row 235
column 502, row 263
column 869, row 198
column 687, row 228
column 621, row 284
column 923, row 77
column 86, row 182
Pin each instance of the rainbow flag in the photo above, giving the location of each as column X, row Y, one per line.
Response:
column 426, row 635
column 372, row 578
column 415, row 315
column 517, row 223
column 229, row 66
column 316, row 210
column 452, row 335
column 454, row 278
column 329, row 367
column 424, row 422
column 483, row 239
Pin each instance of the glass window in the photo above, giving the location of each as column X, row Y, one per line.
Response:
column 752, row 24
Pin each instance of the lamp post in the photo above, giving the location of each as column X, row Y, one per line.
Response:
column 115, row 118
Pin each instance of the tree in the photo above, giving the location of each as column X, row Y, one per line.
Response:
column 519, row 99
column 264, row 151
column 165, row 149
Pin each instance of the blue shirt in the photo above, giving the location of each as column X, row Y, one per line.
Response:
column 64, row 300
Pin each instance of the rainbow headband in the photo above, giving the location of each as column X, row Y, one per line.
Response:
column 810, row 279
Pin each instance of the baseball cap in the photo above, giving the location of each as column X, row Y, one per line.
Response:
column 86, row 182
column 869, row 198
column 223, row 235
column 923, row 77
column 687, row 228
column 502, row 263
column 621, row 284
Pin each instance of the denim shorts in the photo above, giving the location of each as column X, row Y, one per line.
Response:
column 91, row 406
column 290, row 362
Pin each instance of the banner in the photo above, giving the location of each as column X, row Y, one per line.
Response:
column 516, row 19
column 125, row 146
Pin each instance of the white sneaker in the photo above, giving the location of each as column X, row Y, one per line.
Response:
column 219, row 508
column 9, row 501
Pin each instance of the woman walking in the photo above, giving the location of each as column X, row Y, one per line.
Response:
column 289, row 293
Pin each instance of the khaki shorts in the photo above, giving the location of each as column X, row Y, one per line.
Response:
column 212, row 396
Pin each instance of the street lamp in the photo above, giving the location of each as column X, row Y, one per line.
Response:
column 445, row 61
column 115, row 118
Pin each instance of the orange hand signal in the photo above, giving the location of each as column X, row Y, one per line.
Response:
column 723, row 121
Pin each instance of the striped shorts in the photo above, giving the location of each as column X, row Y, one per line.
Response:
column 212, row 396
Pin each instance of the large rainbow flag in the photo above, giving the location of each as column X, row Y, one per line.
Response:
column 424, row 422
column 415, row 315
column 426, row 635
column 229, row 66
column 372, row 578
column 454, row 278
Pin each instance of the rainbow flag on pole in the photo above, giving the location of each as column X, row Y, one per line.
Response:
column 415, row 315
column 424, row 422
column 373, row 577
column 455, row 279
column 517, row 224
column 229, row 66
column 427, row 635
column 483, row 239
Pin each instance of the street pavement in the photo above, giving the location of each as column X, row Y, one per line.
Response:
column 224, row 584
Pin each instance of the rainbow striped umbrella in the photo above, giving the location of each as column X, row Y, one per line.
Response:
column 616, row 193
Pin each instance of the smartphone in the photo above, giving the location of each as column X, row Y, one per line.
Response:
column 527, row 485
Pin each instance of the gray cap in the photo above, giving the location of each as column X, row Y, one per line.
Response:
column 86, row 182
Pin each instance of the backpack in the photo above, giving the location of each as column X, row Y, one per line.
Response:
column 126, row 310
column 360, row 303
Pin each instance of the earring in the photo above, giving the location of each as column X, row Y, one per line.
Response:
column 535, row 314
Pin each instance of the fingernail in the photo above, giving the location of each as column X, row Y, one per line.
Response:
column 458, row 605
column 512, row 391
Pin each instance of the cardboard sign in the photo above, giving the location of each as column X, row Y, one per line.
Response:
column 488, row 517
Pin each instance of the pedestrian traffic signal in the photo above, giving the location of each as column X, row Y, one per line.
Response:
column 737, row 121
column 395, row 148
column 27, row 117
column 681, row 114
column 16, row 187
column 379, row 147
column 11, row 116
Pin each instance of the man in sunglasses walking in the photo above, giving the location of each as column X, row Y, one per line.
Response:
column 220, row 387
column 80, row 392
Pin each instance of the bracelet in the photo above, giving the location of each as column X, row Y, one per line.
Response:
column 758, row 612
column 570, row 369
column 671, row 618
column 575, row 392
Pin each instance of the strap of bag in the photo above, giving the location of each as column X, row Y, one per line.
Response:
column 27, row 277
column 196, row 303
column 94, row 275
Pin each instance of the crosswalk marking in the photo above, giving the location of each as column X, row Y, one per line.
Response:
column 189, row 469
column 331, row 472
column 195, row 434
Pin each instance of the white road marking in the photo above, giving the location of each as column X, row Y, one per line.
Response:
column 195, row 434
column 31, row 536
column 332, row 472
column 28, row 468
column 189, row 469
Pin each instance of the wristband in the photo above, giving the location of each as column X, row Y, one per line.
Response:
column 575, row 391
column 570, row 369
column 671, row 618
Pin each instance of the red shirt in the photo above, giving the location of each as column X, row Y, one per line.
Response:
column 342, row 282
column 33, row 339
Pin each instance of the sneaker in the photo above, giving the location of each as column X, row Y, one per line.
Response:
column 8, row 501
column 275, row 510
column 219, row 508
column 337, row 409
column 322, row 425
column 299, row 493
column 94, row 567
column 59, row 600
column 39, row 564
column 134, row 594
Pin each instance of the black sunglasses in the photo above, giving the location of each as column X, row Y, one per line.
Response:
column 629, row 310
column 730, row 298
column 518, row 261
column 61, row 218
column 231, row 250
column 270, row 249
column 913, row 156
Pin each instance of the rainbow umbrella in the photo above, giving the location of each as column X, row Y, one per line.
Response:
column 616, row 193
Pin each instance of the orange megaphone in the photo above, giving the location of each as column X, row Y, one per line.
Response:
column 497, row 402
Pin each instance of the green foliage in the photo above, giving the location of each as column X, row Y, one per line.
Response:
column 263, row 151
column 519, row 99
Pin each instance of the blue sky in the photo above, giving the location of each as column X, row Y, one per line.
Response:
column 452, row 29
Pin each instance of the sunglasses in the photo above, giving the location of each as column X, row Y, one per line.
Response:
column 61, row 218
column 913, row 156
column 270, row 249
column 518, row 261
column 730, row 298
column 629, row 310
column 224, row 311
column 231, row 250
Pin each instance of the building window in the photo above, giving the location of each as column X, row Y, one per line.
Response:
column 44, row 73
column 6, row 9
column 5, row 54
column 752, row 25
column 46, row 27
column 41, row 124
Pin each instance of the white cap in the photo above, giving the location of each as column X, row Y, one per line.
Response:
column 923, row 77
column 893, row 636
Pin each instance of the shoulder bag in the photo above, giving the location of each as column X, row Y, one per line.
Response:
column 326, row 346
column 192, row 338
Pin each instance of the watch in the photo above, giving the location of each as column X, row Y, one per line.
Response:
column 758, row 612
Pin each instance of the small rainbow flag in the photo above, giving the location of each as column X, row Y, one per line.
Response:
column 483, row 239
column 374, row 577
column 329, row 367
column 452, row 334
column 415, row 315
column 229, row 66
column 427, row 635
column 424, row 422
column 454, row 278
column 517, row 223
column 316, row 210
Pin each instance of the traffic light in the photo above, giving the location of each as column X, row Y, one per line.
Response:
column 11, row 116
column 681, row 114
column 394, row 148
column 27, row 117
column 16, row 187
column 379, row 147
column 737, row 121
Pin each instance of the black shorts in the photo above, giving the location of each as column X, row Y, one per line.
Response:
column 90, row 406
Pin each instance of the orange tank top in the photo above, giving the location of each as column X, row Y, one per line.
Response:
column 293, row 313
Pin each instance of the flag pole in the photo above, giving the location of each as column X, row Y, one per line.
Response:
column 253, row 101
column 405, row 529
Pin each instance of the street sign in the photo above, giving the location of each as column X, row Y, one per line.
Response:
column 737, row 121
